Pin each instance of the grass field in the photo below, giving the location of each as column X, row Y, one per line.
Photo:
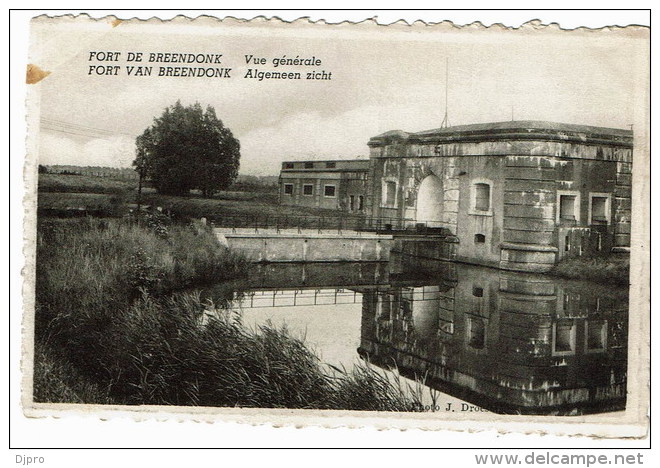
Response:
column 74, row 203
column 243, row 209
column 72, row 183
column 111, row 197
column 83, row 184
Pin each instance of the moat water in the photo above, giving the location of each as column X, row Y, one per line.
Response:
column 481, row 338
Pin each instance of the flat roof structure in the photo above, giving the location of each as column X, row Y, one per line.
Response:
column 513, row 131
column 327, row 165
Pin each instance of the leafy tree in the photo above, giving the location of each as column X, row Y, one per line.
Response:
column 187, row 148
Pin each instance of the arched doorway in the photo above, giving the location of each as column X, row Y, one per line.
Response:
column 430, row 198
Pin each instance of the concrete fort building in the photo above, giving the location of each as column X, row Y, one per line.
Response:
column 334, row 184
column 517, row 195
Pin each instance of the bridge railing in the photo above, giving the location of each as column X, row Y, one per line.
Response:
column 321, row 224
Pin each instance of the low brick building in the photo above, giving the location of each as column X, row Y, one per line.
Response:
column 518, row 195
column 335, row 184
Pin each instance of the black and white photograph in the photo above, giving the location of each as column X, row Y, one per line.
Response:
column 424, row 225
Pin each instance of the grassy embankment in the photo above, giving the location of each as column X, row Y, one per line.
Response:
column 607, row 269
column 112, row 326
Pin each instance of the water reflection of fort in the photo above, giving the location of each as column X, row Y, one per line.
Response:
column 508, row 342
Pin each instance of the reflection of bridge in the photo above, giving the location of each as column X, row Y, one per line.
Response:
column 268, row 298
column 300, row 284
column 298, row 298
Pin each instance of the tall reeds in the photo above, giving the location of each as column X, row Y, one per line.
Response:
column 113, row 325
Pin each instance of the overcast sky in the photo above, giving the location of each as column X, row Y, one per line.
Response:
column 381, row 80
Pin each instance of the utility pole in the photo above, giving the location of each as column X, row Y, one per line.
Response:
column 445, row 121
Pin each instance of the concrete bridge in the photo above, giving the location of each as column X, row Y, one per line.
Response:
column 307, row 245
column 331, row 239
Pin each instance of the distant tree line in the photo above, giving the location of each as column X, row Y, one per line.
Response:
column 94, row 171
column 249, row 183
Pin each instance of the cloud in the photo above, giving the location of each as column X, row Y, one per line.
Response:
column 118, row 151
column 309, row 135
column 377, row 85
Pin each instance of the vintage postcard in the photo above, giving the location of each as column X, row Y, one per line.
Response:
column 403, row 226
